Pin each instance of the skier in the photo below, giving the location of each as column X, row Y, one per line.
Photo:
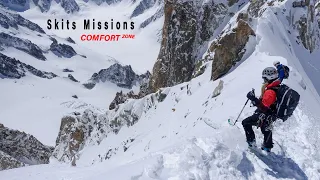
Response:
column 265, row 113
column 283, row 73
column 280, row 69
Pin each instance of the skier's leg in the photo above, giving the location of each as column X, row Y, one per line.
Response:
column 267, row 139
column 247, row 125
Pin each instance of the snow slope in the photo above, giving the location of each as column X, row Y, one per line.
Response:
column 187, row 135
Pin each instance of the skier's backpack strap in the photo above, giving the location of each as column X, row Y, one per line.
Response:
column 286, row 70
column 287, row 101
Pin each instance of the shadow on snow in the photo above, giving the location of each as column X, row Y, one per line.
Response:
column 279, row 166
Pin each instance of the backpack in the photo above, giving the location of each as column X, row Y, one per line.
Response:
column 286, row 70
column 287, row 101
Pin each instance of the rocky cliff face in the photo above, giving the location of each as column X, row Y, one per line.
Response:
column 90, row 127
column 122, row 76
column 229, row 49
column 18, row 149
column 188, row 26
column 12, row 68
column 308, row 27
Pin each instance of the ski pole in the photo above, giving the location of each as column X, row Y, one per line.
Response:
column 242, row 109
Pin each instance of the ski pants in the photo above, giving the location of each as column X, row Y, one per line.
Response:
column 253, row 121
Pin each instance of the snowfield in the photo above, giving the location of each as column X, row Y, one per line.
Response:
column 187, row 136
column 140, row 52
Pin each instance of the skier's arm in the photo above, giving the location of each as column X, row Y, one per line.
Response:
column 268, row 98
column 281, row 73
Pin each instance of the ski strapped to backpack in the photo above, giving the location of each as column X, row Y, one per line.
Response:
column 287, row 101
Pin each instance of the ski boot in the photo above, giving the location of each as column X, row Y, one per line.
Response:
column 265, row 148
column 252, row 144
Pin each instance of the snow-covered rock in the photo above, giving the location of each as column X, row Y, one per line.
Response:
column 122, row 76
column 91, row 127
column 18, row 148
column 13, row 68
column 67, row 70
column 70, row 6
column 21, row 44
column 8, row 162
column 70, row 40
column 13, row 20
column 308, row 27
column 44, row 5
column 143, row 6
column 78, row 130
column 121, row 98
column 16, row 5
column 62, row 50
column 72, row 78
column 159, row 13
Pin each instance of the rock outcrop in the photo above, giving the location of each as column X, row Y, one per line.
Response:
column 143, row 6
column 67, row 70
column 121, row 98
column 8, row 162
column 18, row 148
column 12, row 68
column 8, row 20
column 255, row 9
column 72, row 78
column 21, row 44
column 62, row 50
column 16, row 5
column 44, row 5
column 122, row 76
column 70, row 40
column 90, row 127
column 143, row 91
column 70, row 6
column 99, row 2
column 159, row 13
column 218, row 89
column 76, row 131
column 187, row 26
column 229, row 49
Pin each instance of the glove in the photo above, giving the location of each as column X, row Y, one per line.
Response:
column 251, row 96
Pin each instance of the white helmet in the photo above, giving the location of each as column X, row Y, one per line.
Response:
column 276, row 63
column 270, row 73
